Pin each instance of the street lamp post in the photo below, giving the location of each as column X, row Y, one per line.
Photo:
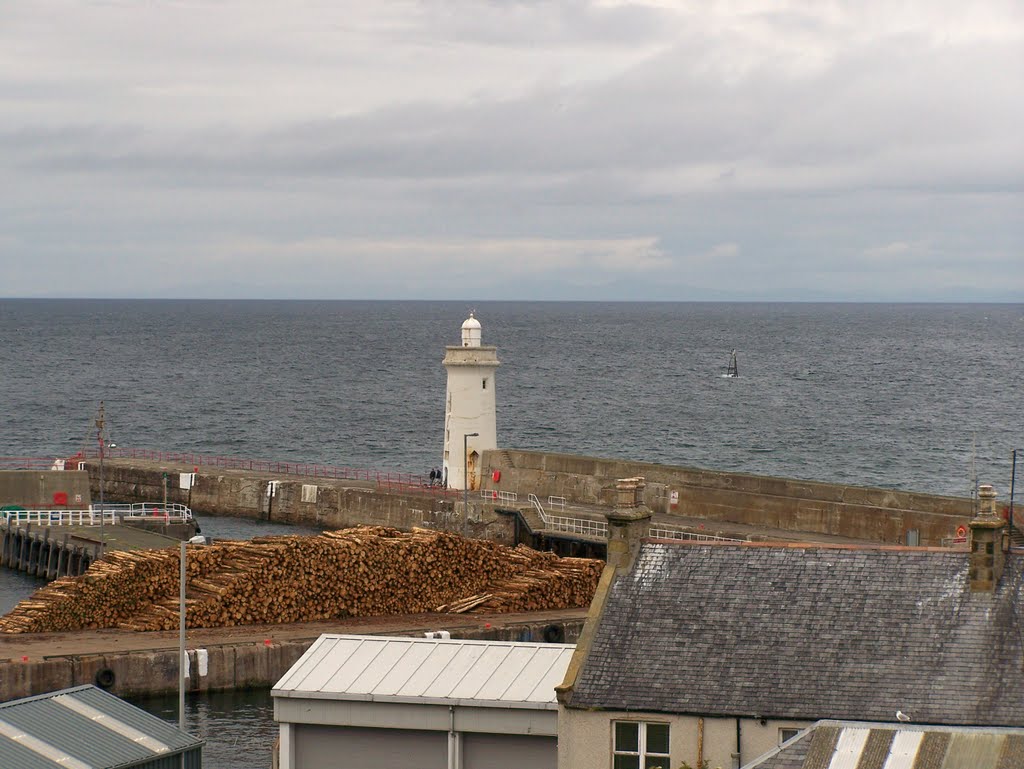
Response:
column 181, row 641
column 465, row 482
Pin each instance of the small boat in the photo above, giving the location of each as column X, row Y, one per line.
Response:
column 732, row 370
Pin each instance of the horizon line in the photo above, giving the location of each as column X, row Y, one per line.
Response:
column 506, row 301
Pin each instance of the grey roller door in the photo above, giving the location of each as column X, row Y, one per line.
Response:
column 349, row 747
column 509, row 751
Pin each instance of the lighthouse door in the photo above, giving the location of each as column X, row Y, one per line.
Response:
column 471, row 464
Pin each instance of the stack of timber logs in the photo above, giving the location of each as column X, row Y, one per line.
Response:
column 364, row 571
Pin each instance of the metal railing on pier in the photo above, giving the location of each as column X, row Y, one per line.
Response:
column 661, row 532
column 112, row 515
column 60, row 517
column 493, row 495
column 392, row 481
column 586, row 527
column 33, row 463
column 590, row 527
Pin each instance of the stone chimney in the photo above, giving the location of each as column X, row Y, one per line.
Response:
column 986, row 556
column 628, row 523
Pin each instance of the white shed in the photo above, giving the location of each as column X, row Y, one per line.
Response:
column 421, row 703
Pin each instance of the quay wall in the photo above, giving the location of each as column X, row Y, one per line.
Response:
column 323, row 503
column 858, row 512
column 217, row 667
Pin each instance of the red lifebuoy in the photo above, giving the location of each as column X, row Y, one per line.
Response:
column 496, row 476
column 961, row 531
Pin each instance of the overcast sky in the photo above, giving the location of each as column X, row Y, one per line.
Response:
column 542, row 149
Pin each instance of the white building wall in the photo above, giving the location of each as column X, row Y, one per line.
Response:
column 470, row 407
column 585, row 738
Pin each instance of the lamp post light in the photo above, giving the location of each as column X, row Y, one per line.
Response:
column 465, row 482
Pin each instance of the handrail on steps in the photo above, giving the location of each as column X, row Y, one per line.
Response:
column 539, row 508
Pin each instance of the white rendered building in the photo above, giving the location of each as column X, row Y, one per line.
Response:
column 352, row 702
column 469, row 406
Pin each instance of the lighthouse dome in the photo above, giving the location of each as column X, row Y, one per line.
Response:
column 471, row 333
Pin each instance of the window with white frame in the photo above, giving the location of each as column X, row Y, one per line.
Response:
column 785, row 735
column 640, row 745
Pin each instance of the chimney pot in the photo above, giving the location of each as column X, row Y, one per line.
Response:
column 628, row 523
column 630, row 492
column 987, row 501
column 986, row 557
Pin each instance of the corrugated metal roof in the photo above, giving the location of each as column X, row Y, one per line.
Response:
column 970, row 750
column 951, row 747
column 849, row 748
column 83, row 728
column 905, row 745
column 429, row 670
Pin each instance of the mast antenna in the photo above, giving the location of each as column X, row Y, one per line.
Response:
column 974, row 472
column 101, row 439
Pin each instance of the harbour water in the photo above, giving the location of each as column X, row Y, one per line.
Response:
column 900, row 396
column 238, row 727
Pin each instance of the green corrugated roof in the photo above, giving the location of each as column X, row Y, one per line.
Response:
column 84, row 728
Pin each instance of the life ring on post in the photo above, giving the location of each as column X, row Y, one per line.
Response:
column 961, row 531
column 105, row 678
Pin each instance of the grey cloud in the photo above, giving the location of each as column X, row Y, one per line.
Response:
column 659, row 116
column 551, row 22
column 804, row 155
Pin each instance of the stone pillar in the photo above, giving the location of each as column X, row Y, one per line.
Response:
column 986, row 554
column 628, row 523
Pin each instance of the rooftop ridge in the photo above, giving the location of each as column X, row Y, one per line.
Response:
column 807, row 545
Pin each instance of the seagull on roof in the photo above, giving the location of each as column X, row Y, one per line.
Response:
column 901, row 716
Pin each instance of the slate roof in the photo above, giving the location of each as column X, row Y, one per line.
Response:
column 808, row 632
column 831, row 744
column 84, row 728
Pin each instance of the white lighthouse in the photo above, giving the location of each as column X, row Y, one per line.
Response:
column 469, row 406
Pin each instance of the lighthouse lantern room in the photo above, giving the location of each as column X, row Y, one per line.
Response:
column 469, row 406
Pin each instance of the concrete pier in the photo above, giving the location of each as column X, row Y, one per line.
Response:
column 61, row 551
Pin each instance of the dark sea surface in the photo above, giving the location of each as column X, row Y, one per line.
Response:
column 875, row 394
column 898, row 396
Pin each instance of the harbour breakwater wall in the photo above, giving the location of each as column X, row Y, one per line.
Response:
column 858, row 512
column 325, row 503
column 43, row 489
column 215, row 667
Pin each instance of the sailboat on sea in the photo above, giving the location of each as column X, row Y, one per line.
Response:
column 732, row 370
